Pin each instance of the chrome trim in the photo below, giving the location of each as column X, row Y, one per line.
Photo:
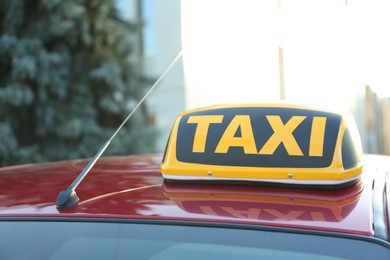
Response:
column 379, row 205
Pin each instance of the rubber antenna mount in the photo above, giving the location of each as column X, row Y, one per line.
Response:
column 66, row 199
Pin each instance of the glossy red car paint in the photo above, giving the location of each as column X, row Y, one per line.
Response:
column 132, row 188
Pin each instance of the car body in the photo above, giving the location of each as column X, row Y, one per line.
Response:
column 351, row 222
column 250, row 181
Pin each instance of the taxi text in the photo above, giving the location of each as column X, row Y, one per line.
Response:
column 282, row 134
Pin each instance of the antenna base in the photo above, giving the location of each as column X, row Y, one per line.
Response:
column 66, row 199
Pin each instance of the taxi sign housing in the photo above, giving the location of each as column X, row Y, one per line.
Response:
column 273, row 143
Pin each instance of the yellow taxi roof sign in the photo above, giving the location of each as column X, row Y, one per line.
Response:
column 276, row 143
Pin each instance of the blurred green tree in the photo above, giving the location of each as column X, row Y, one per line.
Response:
column 68, row 77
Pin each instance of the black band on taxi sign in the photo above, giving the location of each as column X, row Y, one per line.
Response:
column 262, row 131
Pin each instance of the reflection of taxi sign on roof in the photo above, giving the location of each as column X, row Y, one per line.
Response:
column 267, row 203
column 275, row 143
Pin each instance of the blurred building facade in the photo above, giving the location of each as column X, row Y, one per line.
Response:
column 158, row 44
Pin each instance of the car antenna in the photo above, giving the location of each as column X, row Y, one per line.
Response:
column 67, row 198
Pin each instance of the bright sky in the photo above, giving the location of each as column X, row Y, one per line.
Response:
column 331, row 50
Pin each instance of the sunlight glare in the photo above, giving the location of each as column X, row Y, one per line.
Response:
column 331, row 50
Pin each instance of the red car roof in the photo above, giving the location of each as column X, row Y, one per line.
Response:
column 132, row 188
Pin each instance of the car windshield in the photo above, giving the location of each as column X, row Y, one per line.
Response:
column 104, row 240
